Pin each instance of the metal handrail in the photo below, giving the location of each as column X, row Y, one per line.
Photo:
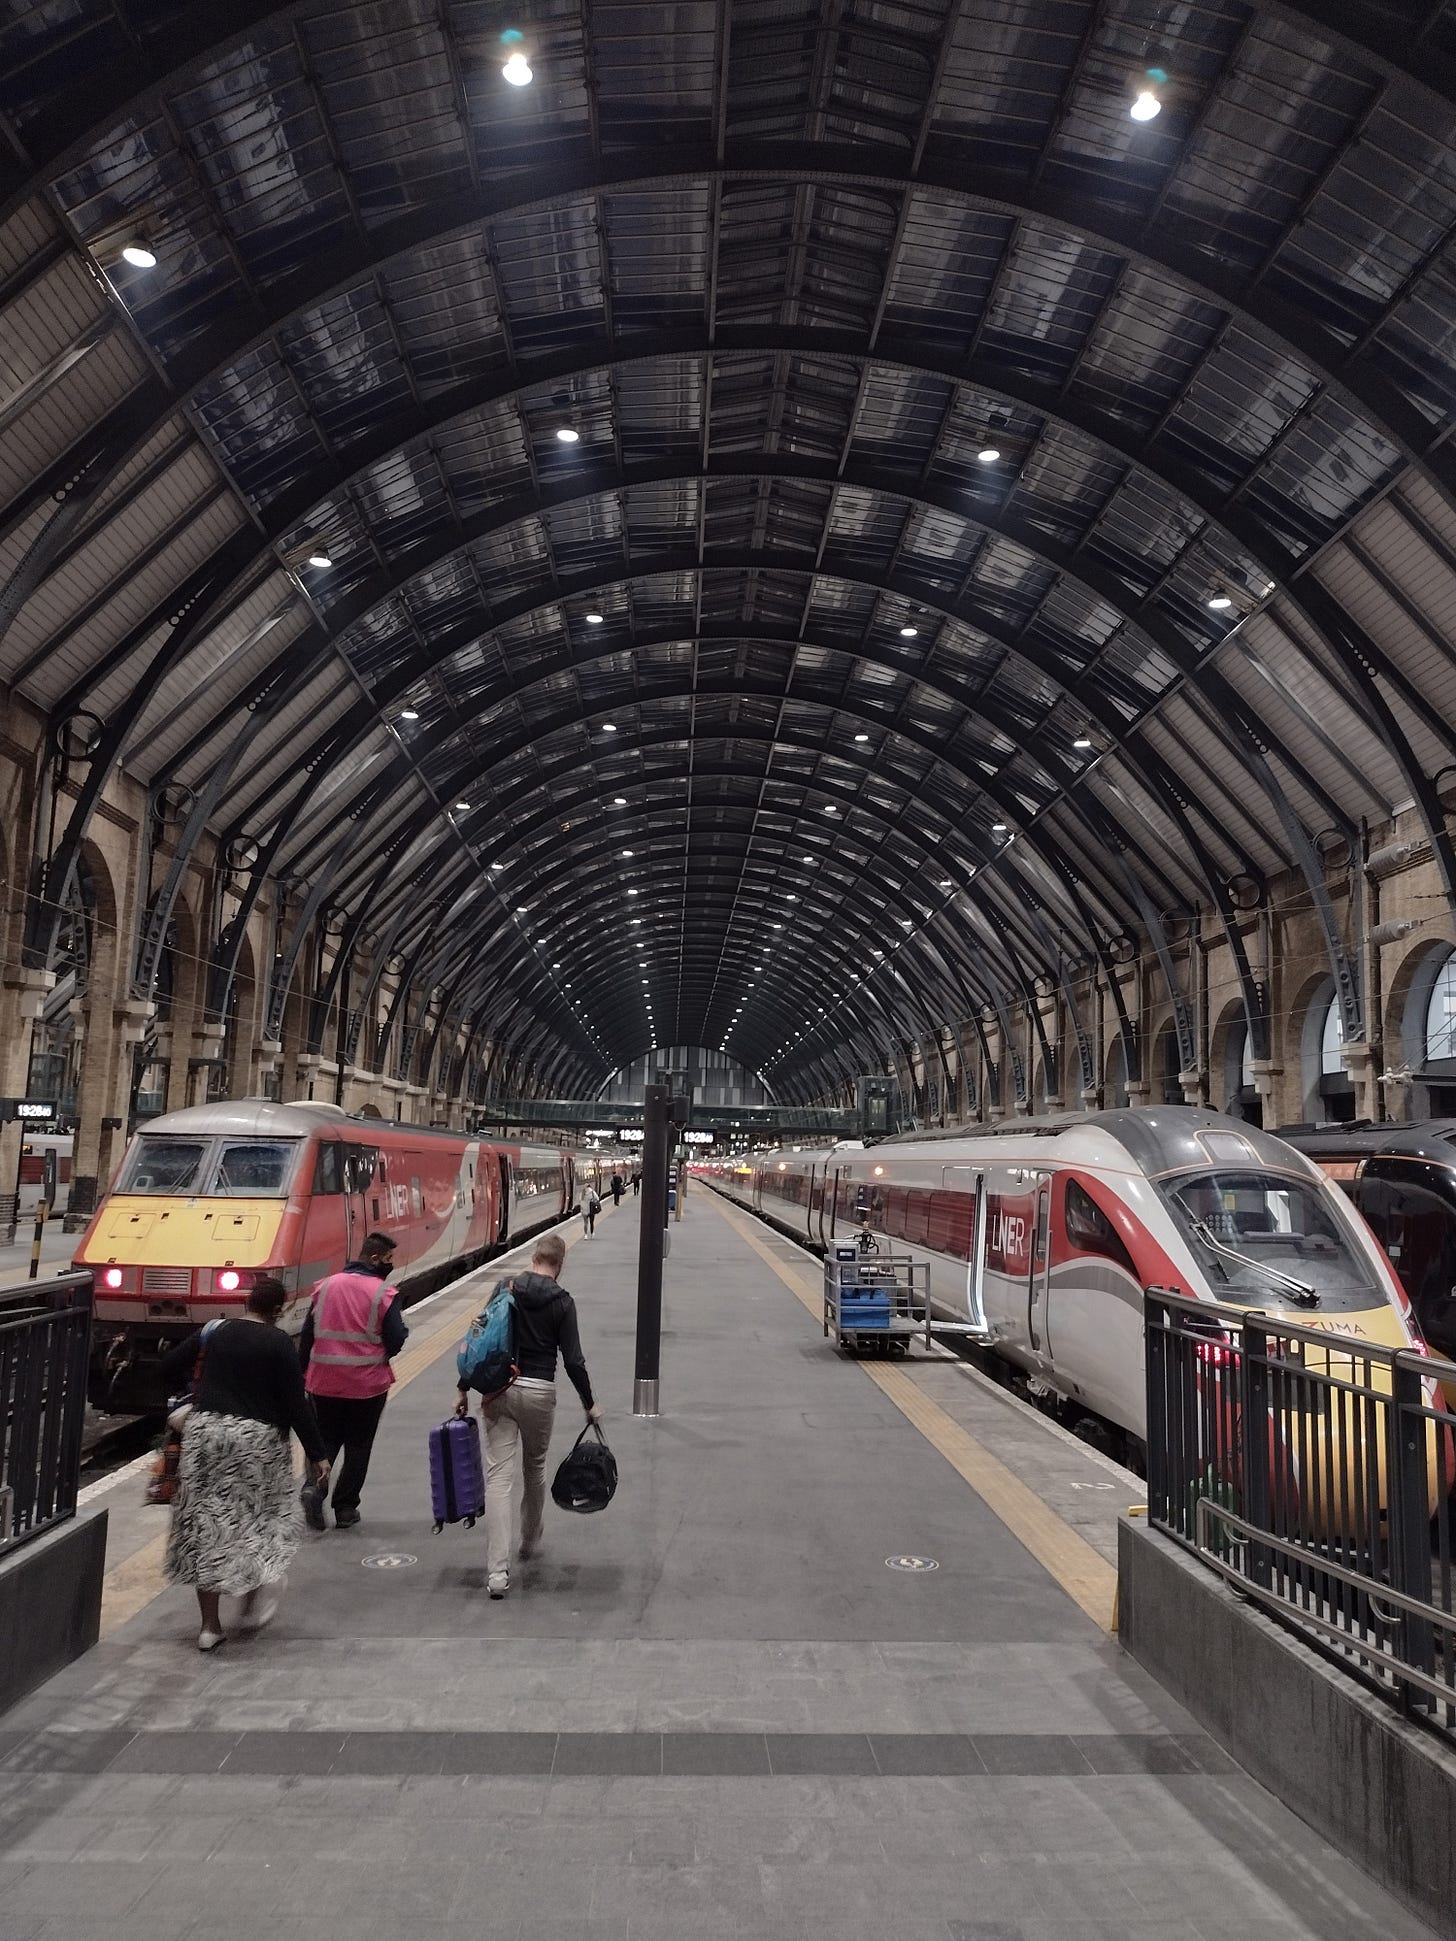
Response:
column 1306, row 1466
column 1400, row 1671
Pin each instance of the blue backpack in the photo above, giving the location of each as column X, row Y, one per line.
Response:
column 486, row 1360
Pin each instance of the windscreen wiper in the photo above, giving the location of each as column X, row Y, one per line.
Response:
column 1298, row 1290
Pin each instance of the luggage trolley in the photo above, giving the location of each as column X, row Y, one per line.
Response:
column 873, row 1302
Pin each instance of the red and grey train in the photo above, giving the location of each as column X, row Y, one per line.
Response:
column 208, row 1198
column 1045, row 1233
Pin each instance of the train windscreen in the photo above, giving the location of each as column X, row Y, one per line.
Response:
column 231, row 1168
column 1264, row 1238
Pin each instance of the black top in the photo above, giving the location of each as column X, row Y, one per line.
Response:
column 546, row 1322
column 249, row 1369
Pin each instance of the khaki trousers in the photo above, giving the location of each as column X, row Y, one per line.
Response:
column 517, row 1435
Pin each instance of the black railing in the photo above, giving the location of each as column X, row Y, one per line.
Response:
column 45, row 1342
column 1313, row 1470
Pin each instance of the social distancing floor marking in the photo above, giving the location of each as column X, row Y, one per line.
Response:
column 130, row 1585
column 1088, row 1579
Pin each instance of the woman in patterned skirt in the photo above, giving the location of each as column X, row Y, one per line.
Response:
column 235, row 1520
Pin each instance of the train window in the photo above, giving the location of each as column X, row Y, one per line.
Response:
column 359, row 1165
column 255, row 1168
column 1090, row 1231
column 1240, row 1223
column 1409, row 1209
column 328, row 1169
column 159, row 1165
column 417, row 1198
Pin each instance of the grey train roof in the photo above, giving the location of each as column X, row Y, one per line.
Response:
column 1159, row 1138
column 776, row 621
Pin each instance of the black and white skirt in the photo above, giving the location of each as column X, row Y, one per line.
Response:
column 236, row 1520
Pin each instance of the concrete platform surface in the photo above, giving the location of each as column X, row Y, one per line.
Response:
column 712, row 1711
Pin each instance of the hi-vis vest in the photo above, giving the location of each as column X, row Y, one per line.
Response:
column 348, row 1336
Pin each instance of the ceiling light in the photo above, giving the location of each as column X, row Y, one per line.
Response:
column 946, row 883
column 462, row 805
column 1146, row 106
column 831, row 810
column 861, row 737
column 998, row 828
column 138, row 255
column 631, row 892
column 595, row 619
column 619, row 801
column 409, row 714
column 629, row 852
column 908, row 633
column 321, row 560
column 521, row 909
column 609, row 727
column 566, row 434
column 517, row 70
column 1082, row 741
column 988, row 454
column 556, row 967
column 1220, row 602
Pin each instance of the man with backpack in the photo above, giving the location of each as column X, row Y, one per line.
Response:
column 518, row 1418
column 591, row 1206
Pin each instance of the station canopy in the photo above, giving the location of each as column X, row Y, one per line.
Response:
column 782, row 526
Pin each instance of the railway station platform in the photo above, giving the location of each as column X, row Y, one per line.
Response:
column 722, row 1709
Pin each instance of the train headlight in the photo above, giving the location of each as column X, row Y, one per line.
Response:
column 112, row 1277
column 229, row 1280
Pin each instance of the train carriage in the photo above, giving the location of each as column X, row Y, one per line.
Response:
column 208, row 1198
column 1044, row 1234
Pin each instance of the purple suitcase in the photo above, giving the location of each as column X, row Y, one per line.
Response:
column 457, row 1476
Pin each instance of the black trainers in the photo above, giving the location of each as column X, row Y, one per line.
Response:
column 345, row 1519
column 312, row 1499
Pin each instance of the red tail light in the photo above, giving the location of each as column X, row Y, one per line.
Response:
column 1214, row 1353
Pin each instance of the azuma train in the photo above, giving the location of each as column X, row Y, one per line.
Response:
column 209, row 1198
column 1044, row 1234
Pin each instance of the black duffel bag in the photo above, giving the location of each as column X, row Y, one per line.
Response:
column 587, row 1479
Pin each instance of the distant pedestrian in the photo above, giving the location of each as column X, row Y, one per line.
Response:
column 235, row 1522
column 518, row 1421
column 591, row 1206
column 636, row 1184
column 353, row 1330
column 619, row 1186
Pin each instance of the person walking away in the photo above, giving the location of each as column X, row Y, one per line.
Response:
column 591, row 1206
column 618, row 1188
column 235, row 1523
column 636, row 1184
column 353, row 1331
column 518, row 1421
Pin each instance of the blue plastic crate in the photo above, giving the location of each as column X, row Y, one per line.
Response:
column 864, row 1311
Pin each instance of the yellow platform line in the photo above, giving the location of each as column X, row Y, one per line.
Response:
column 1087, row 1578
column 129, row 1586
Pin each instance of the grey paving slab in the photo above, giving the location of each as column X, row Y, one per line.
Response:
column 711, row 1712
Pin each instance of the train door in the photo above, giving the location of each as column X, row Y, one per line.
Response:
column 831, row 1193
column 968, row 1228
column 356, row 1176
column 1038, row 1270
column 504, row 1231
column 813, row 1200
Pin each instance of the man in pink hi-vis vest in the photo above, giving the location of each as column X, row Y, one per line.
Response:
column 352, row 1332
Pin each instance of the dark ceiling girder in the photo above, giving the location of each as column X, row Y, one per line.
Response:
column 500, row 949
column 137, row 84
column 1277, row 324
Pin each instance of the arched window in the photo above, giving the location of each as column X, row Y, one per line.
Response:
column 1244, row 1101
column 1336, row 1087
column 1115, row 1090
column 1441, row 1017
